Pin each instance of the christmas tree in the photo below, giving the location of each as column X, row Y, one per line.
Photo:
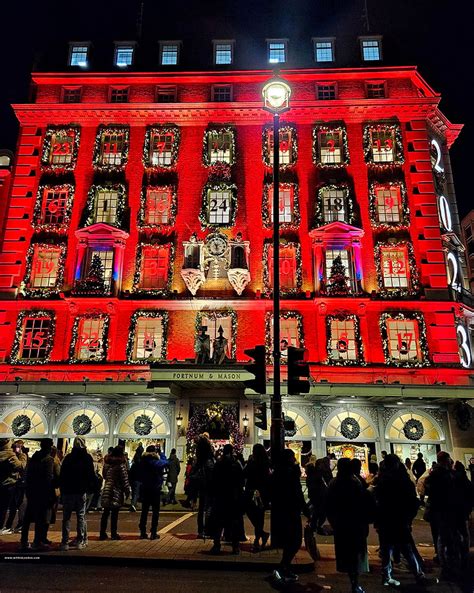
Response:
column 94, row 282
column 337, row 281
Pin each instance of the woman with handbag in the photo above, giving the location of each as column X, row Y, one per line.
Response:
column 257, row 478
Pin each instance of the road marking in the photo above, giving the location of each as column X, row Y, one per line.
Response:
column 172, row 525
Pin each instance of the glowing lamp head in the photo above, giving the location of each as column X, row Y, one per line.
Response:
column 276, row 95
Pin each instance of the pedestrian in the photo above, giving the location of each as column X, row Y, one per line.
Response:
column 350, row 509
column 226, row 499
column 12, row 465
column 409, row 469
column 134, row 478
column 373, row 471
column 288, row 503
column 200, row 479
column 116, row 489
column 356, row 465
column 419, row 467
column 471, row 468
column 465, row 490
column 174, row 469
column 257, row 485
column 318, row 478
column 42, row 478
column 396, row 507
column 151, row 471
column 76, row 479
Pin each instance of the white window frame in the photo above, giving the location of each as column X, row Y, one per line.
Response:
column 343, row 330
column 215, row 51
column 325, row 40
column 377, row 39
column 75, row 45
column 41, row 278
column 121, row 46
column 49, row 197
column 90, row 346
column 107, row 259
column 397, row 330
column 286, row 201
column 271, row 42
column 113, row 158
column 42, row 348
column 385, row 214
column 390, row 279
column 216, row 89
column 154, row 254
column 161, row 213
column 223, row 155
column 170, row 44
column 149, row 332
column 220, row 196
column 110, row 199
column 328, row 156
column 328, row 198
column 330, row 255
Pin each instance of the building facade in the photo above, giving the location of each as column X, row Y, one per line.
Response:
column 140, row 213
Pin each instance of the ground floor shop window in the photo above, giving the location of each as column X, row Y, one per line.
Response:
column 361, row 451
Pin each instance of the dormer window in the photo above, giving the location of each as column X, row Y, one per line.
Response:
column 124, row 54
column 324, row 50
column 79, row 54
column 277, row 51
column 223, row 52
column 169, row 53
column 371, row 48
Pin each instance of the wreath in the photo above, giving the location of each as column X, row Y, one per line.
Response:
column 82, row 424
column 350, row 428
column 21, row 425
column 143, row 425
column 413, row 429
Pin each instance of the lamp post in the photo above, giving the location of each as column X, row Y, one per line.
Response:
column 276, row 97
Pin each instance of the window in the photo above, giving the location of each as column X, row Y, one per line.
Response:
column 192, row 256
column 287, row 150
column 105, row 206
column 286, row 203
column 334, row 204
column 111, row 148
column 71, row 94
column 169, row 53
column 161, row 153
column 60, row 147
column 291, row 331
column 36, row 337
column 388, row 203
column 78, row 54
column 157, row 205
column 221, row 93
column 323, row 50
column 219, row 207
column 154, row 261
column 54, row 205
column 343, row 339
column 148, row 339
column 106, row 257
column 382, row 147
column 276, row 51
column 45, row 266
column 330, row 146
column 288, row 258
column 326, row 91
column 90, row 338
column 395, row 267
column 376, row 90
column 403, row 339
column 124, row 55
column 333, row 257
column 371, row 48
column 468, row 232
column 223, row 52
column 219, row 146
column 119, row 94
column 219, row 325
column 166, row 93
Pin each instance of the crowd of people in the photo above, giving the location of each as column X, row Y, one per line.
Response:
column 342, row 501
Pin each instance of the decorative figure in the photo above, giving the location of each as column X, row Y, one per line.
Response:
column 202, row 346
column 284, row 348
column 220, row 347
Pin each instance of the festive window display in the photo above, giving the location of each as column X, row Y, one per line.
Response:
column 396, row 268
column 219, row 205
column 143, row 425
column 111, row 148
column 219, row 146
column 33, row 338
column 161, row 147
column 350, row 428
column 388, row 205
column 60, row 148
column 344, row 345
column 53, row 207
column 289, row 209
column 147, row 336
column 106, row 203
column 330, row 149
column 220, row 421
column 96, row 277
column 404, row 339
column 288, row 146
column 44, row 269
column 158, row 206
column 221, row 327
column 291, row 332
column 334, row 204
column 383, row 145
column 82, row 424
column 89, row 338
column 413, row 429
column 154, row 266
column 21, row 424
column 338, row 276
column 291, row 278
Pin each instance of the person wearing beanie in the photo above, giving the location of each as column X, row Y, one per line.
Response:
column 76, row 480
column 12, row 462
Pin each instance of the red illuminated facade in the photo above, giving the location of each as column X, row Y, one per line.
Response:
column 131, row 224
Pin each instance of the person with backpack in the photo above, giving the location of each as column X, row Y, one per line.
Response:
column 151, row 470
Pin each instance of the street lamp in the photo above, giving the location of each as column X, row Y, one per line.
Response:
column 276, row 99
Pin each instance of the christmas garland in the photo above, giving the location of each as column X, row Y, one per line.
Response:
column 350, row 428
column 170, row 129
column 21, row 424
column 73, row 132
column 338, row 129
column 425, row 361
column 267, row 204
column 413, row 279
column 359, row 360
column 405, row 211
column 102, row 340
column 172, row 211
column 46, row 292
column 15, row 351
column 269, row 330
column 37, row 220
column 88, row 217
column 219, row 315
column 138, row 270
column 98, row 158
column 213, row 132
column 397, row 148
column 348, row 203
column 219, row 172
column 164, row 316
column 413, row 429
column 199, row 419
column 293, row 148
column 142, row 425
column 267, row 285
column 82, row 425
column 204, row 213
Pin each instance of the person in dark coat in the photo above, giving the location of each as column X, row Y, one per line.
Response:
column 288, row 503
column 419, row 467
column 396, row 507
column 200, row 479
column 42, row 478
column 76, row 479
column 12, row 465
column 350, row 509
column 174, row 469
column 116, row 489
column 227, row 499
column 257, row 485
column 318, row 478
column 152, row 466
column 356, row 469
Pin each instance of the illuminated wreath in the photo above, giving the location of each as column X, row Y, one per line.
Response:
column 21, row 425
column 350, row 428
column 143, row 425
column 82, row 424
column 413, row 429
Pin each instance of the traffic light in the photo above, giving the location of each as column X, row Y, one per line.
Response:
column 260, row 416
column 258, row 368
column 297, row 367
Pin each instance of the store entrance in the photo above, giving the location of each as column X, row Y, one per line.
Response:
column 411, row 450
column 361, row 451
column 131, row 445
column 302, row 449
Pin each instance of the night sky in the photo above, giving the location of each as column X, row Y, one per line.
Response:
column 435, row 35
